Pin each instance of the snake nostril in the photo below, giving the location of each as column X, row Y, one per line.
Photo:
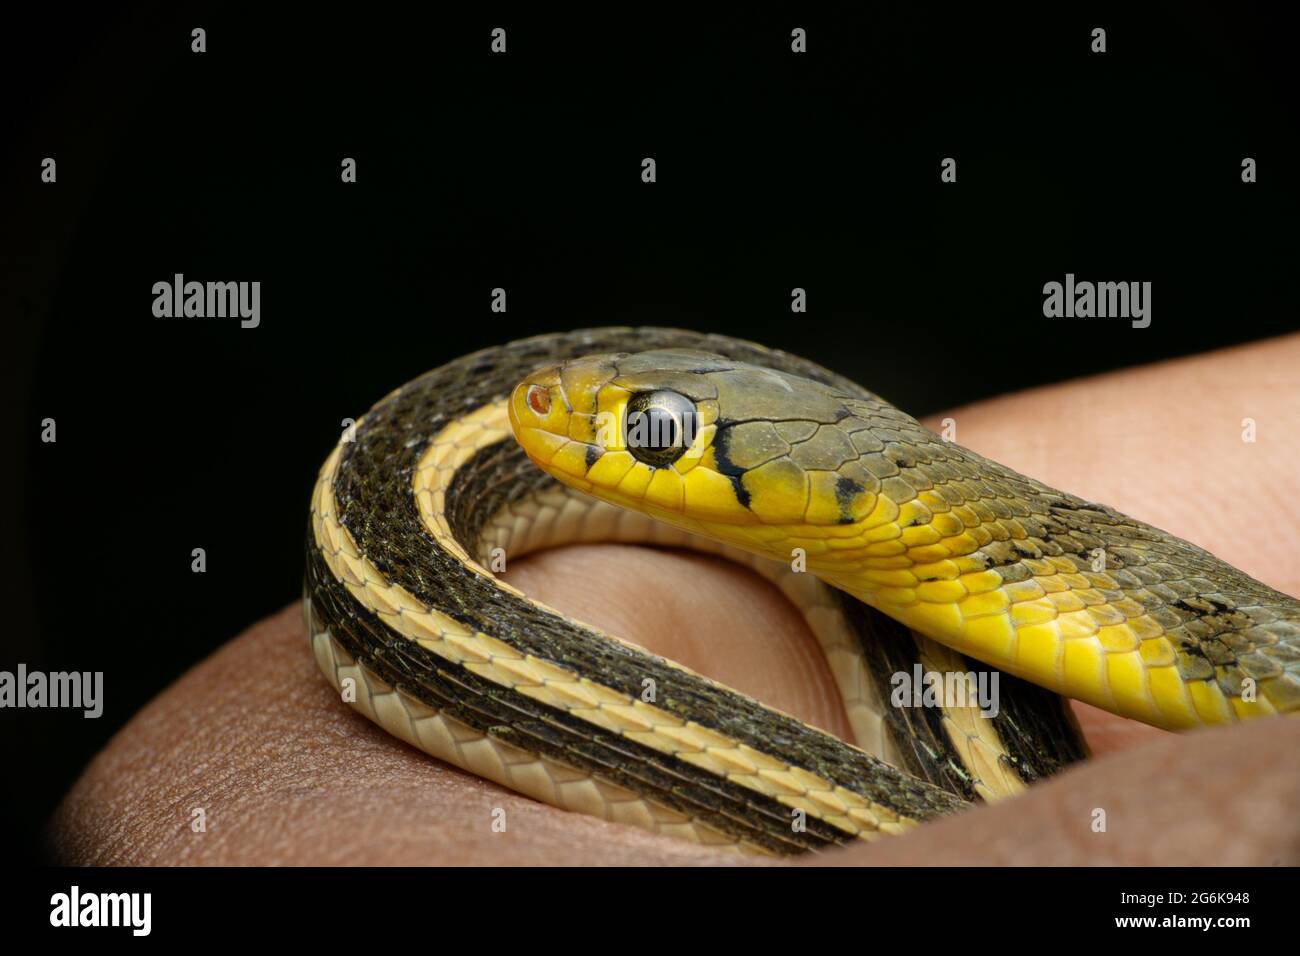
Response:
column 539, row 399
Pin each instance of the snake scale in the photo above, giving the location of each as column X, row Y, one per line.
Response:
column 906, row 554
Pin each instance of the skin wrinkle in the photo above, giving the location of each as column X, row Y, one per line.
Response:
column 290, row 775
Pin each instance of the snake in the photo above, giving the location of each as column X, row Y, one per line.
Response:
column 909, row 557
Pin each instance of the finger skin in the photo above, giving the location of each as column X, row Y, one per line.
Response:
column 1225, row 796
column 711, row 615
column 286, row 773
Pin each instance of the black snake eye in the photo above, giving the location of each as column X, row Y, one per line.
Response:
column 660, row 427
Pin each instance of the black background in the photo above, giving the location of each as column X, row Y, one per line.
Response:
column 775, row 170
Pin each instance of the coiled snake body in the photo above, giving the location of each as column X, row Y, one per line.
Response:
column 921, row 558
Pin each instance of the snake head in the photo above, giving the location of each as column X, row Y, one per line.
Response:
column 744, row 453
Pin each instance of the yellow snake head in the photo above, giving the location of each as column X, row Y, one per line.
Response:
column 758, row 458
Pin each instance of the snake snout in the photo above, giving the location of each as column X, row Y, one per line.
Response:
column 540, row 416
column 537, row 401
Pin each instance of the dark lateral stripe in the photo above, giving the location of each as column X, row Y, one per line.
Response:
column 1037, row 727
column 539, row 728
column 917, row 732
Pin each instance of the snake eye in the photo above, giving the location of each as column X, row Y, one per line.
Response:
column 660, row 427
